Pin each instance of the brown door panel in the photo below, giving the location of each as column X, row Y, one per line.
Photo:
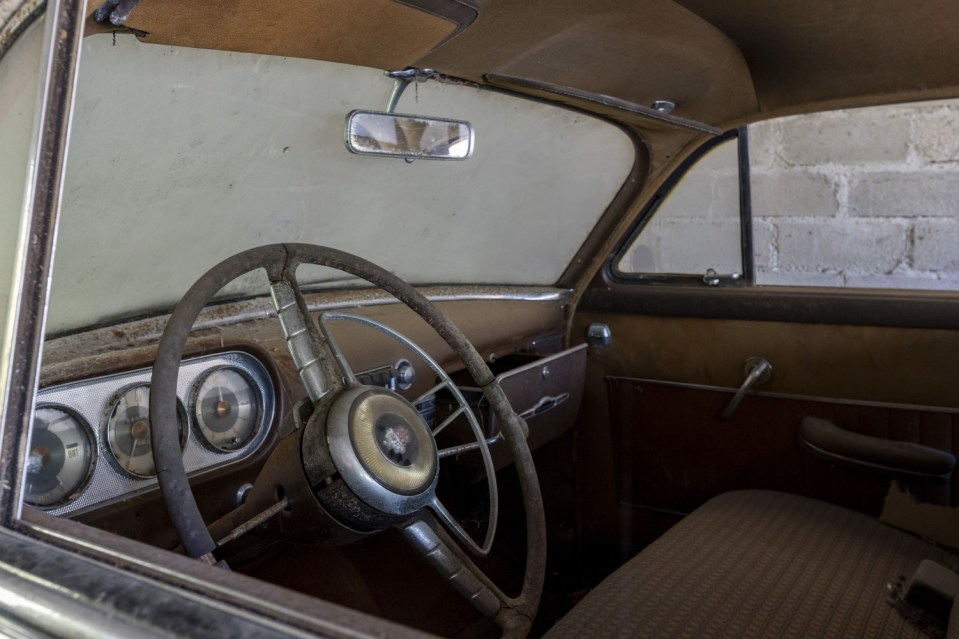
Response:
column 657, row 447
column 674, row 452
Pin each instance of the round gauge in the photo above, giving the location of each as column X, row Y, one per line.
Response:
column 128, row 431
column 61, row 457
column 227, row 408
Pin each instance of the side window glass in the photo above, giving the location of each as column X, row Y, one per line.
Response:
column 697, row 227
column 19, row 80
column 858, row 198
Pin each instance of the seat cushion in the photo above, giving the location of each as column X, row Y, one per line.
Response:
column 758, row 564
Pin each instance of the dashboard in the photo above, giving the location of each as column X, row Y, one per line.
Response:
column 89, row 380
column 90, row 444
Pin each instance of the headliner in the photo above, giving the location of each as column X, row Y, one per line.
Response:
column 721, row 63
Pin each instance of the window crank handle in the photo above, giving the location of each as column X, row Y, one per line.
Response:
column 758, row 370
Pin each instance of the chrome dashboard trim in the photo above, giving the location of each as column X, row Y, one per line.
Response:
column 227, row 313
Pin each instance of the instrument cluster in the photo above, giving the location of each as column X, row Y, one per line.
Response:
column 90, row 443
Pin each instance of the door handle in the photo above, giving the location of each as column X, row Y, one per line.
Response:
column 758, row 370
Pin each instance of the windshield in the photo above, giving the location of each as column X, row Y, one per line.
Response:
column 180, row 158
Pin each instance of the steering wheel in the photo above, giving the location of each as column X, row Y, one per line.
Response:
column 361, row 458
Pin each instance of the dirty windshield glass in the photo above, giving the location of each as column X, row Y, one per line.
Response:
column 180, row 158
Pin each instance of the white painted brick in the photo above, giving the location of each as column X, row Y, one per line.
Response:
column 904, row 280
column 873, row 247
column 908, row 194
column 937, row 135
column 764, row 146
column 721, row 159
column 853, row 246
column 709, row 190
column 797, row 278
column 936, row 246
column 690, row 198
column 725, row 203
column 692, row 247
column 764, row 245
column 794, row 193
column 864, row 137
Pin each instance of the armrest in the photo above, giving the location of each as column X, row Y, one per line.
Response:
column 893, row 458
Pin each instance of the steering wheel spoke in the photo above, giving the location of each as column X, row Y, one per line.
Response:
column 460, row 410
column 453, row 451
column 444, row 556
column 434, row 546
column 338, row 356
column 308, row 347
column 460, row 533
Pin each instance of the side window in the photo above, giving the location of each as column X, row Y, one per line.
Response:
column 19, row 80
column 696, row 228
column 865, row 198
column 858, row 198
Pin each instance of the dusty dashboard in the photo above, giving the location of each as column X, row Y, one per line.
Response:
column 91, row 458
column 91, row 438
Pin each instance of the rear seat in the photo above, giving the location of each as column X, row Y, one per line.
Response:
column 760, row 564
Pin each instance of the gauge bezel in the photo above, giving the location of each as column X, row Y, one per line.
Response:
column 94, row 455
column 93, row 398
column 113, row 459
column 258, row 418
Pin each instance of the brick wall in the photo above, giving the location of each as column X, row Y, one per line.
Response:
column 866, row 197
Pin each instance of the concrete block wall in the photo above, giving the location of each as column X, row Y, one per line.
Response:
column 864, row 198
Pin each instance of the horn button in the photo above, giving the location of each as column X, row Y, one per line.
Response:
column 383, row 449
column 395, row 439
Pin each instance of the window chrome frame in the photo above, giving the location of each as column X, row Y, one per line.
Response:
column 22, row 340
column 748, row 276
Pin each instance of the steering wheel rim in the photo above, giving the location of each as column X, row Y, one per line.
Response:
column 280, row 262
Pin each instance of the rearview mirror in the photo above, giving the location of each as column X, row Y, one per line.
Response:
column 408, row 136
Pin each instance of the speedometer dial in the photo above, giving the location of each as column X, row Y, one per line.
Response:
column 61, row 457
column 227, row 409
column 128, row 431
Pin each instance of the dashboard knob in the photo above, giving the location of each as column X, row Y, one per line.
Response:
column 405, row 374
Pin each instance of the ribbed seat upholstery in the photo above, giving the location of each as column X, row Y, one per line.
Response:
column 758, row 564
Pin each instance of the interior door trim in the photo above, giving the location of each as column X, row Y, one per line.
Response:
column 779, row 395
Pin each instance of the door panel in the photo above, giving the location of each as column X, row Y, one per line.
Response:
column 650, row 429
column 675, row 453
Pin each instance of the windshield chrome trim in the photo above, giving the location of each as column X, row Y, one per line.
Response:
column 228, row 313
column 23, row 338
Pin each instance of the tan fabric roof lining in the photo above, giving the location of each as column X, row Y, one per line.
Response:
column 721, row 63
column 806, row 54
column 639, row 52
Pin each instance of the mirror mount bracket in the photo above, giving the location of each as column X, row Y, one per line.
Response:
column 402, row 79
